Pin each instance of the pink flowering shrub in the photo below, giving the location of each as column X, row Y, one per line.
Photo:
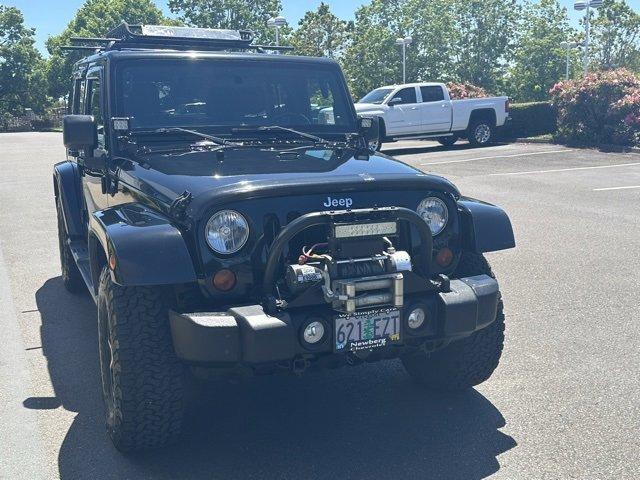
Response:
column 603, row 108
column 460, row 91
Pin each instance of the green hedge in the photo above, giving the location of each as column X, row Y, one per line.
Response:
column 532, row 119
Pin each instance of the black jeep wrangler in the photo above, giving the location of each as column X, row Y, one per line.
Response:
column 223, row 208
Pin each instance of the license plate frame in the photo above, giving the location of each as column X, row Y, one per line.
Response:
column 370, row 329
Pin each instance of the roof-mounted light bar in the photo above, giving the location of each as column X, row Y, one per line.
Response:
column 126, row 36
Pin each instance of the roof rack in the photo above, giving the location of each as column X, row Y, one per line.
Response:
column 126, row 36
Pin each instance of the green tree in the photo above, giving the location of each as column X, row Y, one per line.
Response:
column 485, row 32
column 372, row 58
column 616, row 36
column 232, row 14
column 453, row 40
column 539, row 61
column 95, row 18
column 432, row 53
column 321, row 34
column 22, row 79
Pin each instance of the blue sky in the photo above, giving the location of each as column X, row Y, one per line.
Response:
column 49, row 17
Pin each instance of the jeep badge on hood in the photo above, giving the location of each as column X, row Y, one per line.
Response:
column 338, row 202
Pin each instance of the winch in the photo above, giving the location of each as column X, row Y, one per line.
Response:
column 354, row 282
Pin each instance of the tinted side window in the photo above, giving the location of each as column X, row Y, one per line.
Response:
column 408, row 95
column 432, row 94
column 95, row 108
column 78, row 96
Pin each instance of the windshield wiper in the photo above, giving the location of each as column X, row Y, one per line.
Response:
column 214, row 139
column 271, row 128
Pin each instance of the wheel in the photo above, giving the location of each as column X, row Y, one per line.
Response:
column 376, row 145
column 467, row 362
column 481, row 132
column 142, row 379
column 448, row 141
column 71, row 276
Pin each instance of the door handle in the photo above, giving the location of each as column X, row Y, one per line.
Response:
column 414, row 108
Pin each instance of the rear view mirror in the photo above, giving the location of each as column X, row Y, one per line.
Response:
column 395, row 101
column 79, row 132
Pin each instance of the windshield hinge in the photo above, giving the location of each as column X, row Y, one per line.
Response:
column 179, row 206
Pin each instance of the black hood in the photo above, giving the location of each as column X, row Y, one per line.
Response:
column 242, row 173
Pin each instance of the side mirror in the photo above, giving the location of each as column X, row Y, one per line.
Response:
column 79, row 132
column 370, row 129
column 395, row 101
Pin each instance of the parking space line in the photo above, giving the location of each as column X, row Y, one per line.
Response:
column 615, row 188
column 564, row 169
column 498, row 156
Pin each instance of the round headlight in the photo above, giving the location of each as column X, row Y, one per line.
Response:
column 434, row 212
column 227, row 231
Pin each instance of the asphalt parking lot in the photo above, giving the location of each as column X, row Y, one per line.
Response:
column 562, row 404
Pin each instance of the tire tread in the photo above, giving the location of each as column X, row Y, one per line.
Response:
column 467, row 362
column 148, row 375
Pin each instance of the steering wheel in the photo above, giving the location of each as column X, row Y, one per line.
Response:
column 292, row 115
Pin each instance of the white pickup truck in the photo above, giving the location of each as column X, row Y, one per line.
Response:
column 425, row 110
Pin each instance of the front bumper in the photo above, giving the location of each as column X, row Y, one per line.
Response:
column 247, row 335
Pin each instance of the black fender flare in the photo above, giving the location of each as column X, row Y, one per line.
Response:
column 485, row 227
column 146, row 247
column 66, row 184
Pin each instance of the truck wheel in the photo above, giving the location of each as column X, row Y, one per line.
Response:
column 481, row 132
column 448, row 141
column 377, row 146
column 467, row 362
column 71, row 276
column 141, row 377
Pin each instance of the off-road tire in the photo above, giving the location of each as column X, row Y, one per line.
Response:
column 142, row 380
column 467, row 362
column 71, row 276
column 448, row 141
column 481, row 132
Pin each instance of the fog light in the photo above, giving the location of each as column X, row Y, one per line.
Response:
column 416, row 318
column 313, row 333
column 224, row 280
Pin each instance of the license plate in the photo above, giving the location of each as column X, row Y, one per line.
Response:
column 367, row 330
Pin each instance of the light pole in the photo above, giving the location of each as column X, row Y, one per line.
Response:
column 404, row 42
column 277, row 22
column 587, row 5
column 569, row 45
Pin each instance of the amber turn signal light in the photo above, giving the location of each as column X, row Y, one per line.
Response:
column 224, row 280
column 444, row 257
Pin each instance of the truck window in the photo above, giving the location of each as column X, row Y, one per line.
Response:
column 432, row 94
column 376, row 96
column 95, row 108
column 407, row 95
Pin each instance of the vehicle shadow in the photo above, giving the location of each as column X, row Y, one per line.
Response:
column 361, row 422
column 429, row 147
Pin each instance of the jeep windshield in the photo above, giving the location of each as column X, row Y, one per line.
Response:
column 223, row 96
